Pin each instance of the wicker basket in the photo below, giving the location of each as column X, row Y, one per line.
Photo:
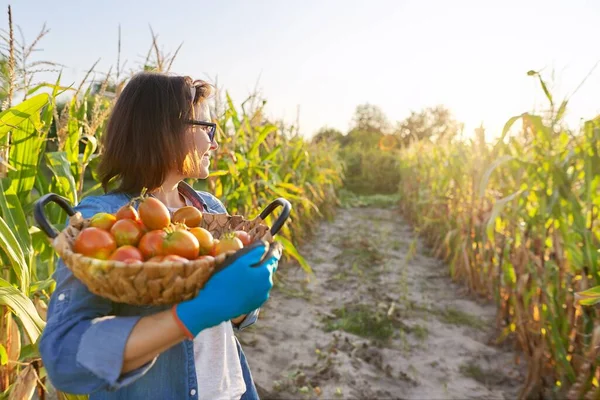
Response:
column 155, row 283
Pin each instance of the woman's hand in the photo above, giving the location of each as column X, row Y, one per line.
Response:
column 238, row 320
column 240, row 288
column 231, row 293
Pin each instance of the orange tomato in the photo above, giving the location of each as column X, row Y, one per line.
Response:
column 244, row 237
column 228, row 244
column 128, row 212
column 205, row 240
column 151, row 244
column 181, row 243
column 154, row 214
column 190, row 216
column 126, row 253
column 95, row 242
column 126, row 232
column 104, row 221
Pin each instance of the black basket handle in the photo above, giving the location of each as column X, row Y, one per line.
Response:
column 285, row 213
column 40, row 217
column 271, row 249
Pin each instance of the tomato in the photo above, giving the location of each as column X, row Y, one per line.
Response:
column 126, row 253
column 128, row 212
column 205, row 239
column 156, row 259
column 154, row 214
column 228, row 244
column 94, row 242
column 181, row 243
column 143, row 227
column 151, row 244
column 104, row 221
column 244, row 237
column 126, row 231
column 173, row 257
column 213, row 250
column 190, row 216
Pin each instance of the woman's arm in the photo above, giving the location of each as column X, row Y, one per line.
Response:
column 151, row 336
column 85, row 347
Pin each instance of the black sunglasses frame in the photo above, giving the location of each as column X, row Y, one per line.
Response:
column 211, row 125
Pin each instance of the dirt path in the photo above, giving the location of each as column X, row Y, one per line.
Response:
column 380, row 319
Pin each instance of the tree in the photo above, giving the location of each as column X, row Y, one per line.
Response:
column 328, row 135
column 432, row 123
column 370, row 118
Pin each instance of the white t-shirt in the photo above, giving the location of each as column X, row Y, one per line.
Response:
column 218, row 367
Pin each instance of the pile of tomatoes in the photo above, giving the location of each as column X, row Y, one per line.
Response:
column 150, row 233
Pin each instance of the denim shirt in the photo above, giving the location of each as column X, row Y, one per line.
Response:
column 83, row 344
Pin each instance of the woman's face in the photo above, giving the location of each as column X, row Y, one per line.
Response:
column 201, row 144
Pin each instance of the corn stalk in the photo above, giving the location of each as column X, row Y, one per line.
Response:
column 517, row 221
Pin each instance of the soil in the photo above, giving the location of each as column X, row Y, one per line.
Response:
column 379, row 319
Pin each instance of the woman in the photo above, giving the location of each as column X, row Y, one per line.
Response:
column 159, row 133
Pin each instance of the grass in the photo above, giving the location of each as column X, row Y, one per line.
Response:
column 350, row 199
column 420, row 332
column 474, row 371
column 359, row 249
column 362, row 321
column 453, row 316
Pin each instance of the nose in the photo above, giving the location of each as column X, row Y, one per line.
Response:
column 214, row 144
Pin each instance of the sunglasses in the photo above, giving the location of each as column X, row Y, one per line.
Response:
column 209, row 128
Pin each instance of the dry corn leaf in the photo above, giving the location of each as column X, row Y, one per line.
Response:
column 24, row 385
column 41, row 307
column 13, row 343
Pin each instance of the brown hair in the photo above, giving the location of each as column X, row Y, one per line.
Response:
column 146, row 133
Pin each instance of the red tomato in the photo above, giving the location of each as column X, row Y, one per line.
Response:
column 126, row 232
column 244, row 237
column 104, row 221
column 127, row 212
column 228, row 244
column 151, row 244
column 190, row 216
column 126, row 253
column 156, row 259
column 154, row 214
column 94, row 242
column 205, row 239
column 182, row 243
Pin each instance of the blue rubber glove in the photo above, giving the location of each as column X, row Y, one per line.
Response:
column 238, row 289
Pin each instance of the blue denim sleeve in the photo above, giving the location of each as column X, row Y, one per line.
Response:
column 82, row 345
column 216, row 206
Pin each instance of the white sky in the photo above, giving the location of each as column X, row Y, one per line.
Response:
column 329, row 56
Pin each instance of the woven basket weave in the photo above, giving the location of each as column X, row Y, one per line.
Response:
column 153, row 283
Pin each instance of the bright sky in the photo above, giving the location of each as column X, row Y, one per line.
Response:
column 328, row 56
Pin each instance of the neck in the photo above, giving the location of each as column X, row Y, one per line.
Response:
column 168, row 192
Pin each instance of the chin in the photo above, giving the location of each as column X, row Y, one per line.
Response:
column 202, row 173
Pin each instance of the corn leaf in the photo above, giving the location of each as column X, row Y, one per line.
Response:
column 292, row 251
column 16, row 115
column 23, row 309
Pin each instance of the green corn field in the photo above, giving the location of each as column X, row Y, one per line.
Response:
column 516, row 220
column 53, row 147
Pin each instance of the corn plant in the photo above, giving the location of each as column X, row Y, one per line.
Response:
column 517, row 221
column 256, row 162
